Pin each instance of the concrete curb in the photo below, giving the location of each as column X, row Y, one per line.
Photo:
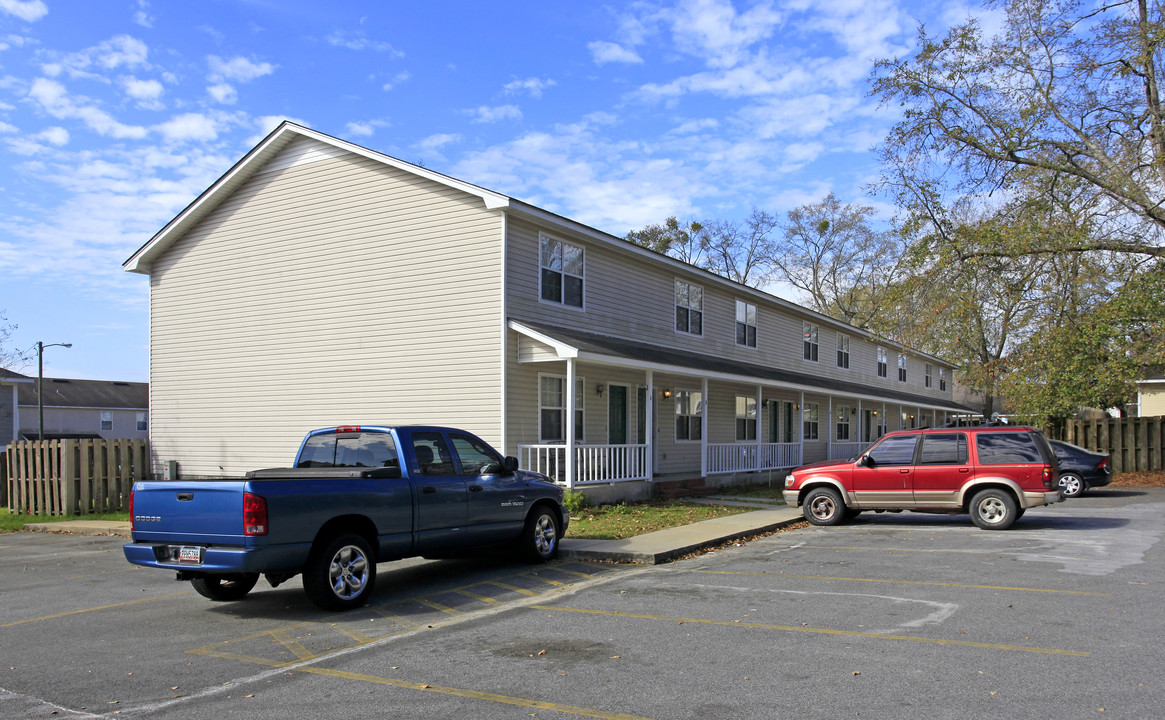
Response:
column 81, row 527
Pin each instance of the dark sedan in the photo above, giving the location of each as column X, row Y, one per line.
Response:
column 1081, row 469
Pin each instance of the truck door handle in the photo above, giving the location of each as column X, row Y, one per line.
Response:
column 476, row 488
column 185, row 496
column 904, row 472
column 964, row 470
column 428, row 490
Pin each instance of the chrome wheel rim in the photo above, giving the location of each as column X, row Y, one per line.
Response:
column 992, row 510
column 1071, row 485
column 822, row 507
column 544, row 534
column 348, row 572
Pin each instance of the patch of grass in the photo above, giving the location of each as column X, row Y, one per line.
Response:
column 14, row 522
column 615, row 522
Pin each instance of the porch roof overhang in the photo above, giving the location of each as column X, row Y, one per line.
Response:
column 558, row 344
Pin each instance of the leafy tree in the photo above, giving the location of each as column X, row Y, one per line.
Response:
column 683, row 242
column 830, row 252
column 1065, row 92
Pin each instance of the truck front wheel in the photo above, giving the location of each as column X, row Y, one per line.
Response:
column 224, row 588
column 540, row 535
column 823, row 506
column 340, row 573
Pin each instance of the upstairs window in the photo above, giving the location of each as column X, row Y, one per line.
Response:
column 745, row 418
column 926, row 372
column 562, row 272
column 810, row 332
column 689, row 308
column 942, row 379
column 143, row 422
column 883, row 367
column 106, row 419
column 689, row 415
column 843, row 351
column 901, row 367
column 745, row 324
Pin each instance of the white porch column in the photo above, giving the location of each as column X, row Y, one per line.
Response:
column 801, row 428
column 570, row 400
column 649, row 427
column 704, row 427
column 885, row 420
column 760, row 413
column 828, row 429
column 859, row 435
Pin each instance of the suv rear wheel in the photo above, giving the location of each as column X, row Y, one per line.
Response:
column 993, row 509
column 823, row 506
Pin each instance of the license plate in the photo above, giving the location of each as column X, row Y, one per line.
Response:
column 190, row 555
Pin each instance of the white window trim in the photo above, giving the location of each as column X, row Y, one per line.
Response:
column 755, row 327
column 843, row 348
column 580, row 407
column 883, row 358
column 755, row 419
column 807, row 328
column 676, row 304
column 703, row 430
column 816, row 423
column 583, row 277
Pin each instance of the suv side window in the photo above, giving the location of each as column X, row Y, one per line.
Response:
column 894, row 450
column 1007, row 448
column 944, row 449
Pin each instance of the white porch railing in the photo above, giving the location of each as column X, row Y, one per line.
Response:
column 592, row 463
column 744, row 457
column 843, row 450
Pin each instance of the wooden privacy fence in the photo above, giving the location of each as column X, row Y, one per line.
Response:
column 1135, row 444
column 74, row 477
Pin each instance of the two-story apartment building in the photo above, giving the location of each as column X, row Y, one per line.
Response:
column 320, row 283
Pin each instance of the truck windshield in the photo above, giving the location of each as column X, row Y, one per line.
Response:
column 365, row 449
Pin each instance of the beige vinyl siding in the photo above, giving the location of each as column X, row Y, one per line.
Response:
column 627, row 295
column 1152, row 400
column 329, row 290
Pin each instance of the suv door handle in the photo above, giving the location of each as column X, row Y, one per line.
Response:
column 964, row 470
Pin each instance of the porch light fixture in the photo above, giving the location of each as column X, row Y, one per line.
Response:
column 599, row 390
column 796, row 406
column 666, row 394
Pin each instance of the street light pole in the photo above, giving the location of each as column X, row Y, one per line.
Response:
column 40, row 346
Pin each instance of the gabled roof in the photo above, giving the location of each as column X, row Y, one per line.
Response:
column 573, row 343
column 280, row 137
column 104, row 394
column 9, row 376
column 254, row 161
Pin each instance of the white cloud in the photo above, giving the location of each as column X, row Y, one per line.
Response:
column 6, row 128
column 715, row 31
column 366, row 128
column 121, row 50
column 55, row 135
column 497, row 113
column 360, row 42
column 223, row 93
column 10, row 41
column 55, row 100
column 397, row 79
column 533, row 85
column 189, row 126
column 604, row 52
column 147, row 93
column 239, row 69
column 142, row 16
column 26, row 10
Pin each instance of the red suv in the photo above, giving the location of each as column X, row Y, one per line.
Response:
column 992, row 472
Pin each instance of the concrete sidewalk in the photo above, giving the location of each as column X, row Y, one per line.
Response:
column 650, row 549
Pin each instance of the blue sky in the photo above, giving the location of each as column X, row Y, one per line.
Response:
column 115, row 114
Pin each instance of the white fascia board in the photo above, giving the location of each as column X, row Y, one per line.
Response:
column 210, row 198
column 536, row 213
column 563, row 350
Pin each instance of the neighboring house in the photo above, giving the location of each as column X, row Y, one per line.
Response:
column 85, row 409
column 319, row 283
column 1150, row 396
column 10, row 406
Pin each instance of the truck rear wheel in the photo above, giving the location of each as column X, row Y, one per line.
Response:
column 224, row 588
column 539, row 541
column 340, row 573
column 993, row 509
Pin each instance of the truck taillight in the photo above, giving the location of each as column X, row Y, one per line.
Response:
column 254, row 515
column 348, row 429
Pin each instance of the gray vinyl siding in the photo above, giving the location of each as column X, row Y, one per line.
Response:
column 632, row 296
column 328, row 289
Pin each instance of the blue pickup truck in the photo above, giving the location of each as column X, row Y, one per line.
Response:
column 356, row 496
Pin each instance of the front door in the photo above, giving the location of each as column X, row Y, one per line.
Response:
column 617, row 414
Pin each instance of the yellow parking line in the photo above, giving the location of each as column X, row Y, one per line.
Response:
column 894, row 550
column 473, row 694
column 437, row 606
column 298, row 650
column 824, row 631
column 95, row 609
column 516, row 589
column 907, row 582
column 475, row 596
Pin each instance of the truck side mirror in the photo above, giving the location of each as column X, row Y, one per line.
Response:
column 510, row 464
column 505, row 467
column 865, row 461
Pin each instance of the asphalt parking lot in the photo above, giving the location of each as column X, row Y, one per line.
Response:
column 909, row 616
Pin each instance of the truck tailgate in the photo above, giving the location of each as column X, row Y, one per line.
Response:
column 209, row 512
